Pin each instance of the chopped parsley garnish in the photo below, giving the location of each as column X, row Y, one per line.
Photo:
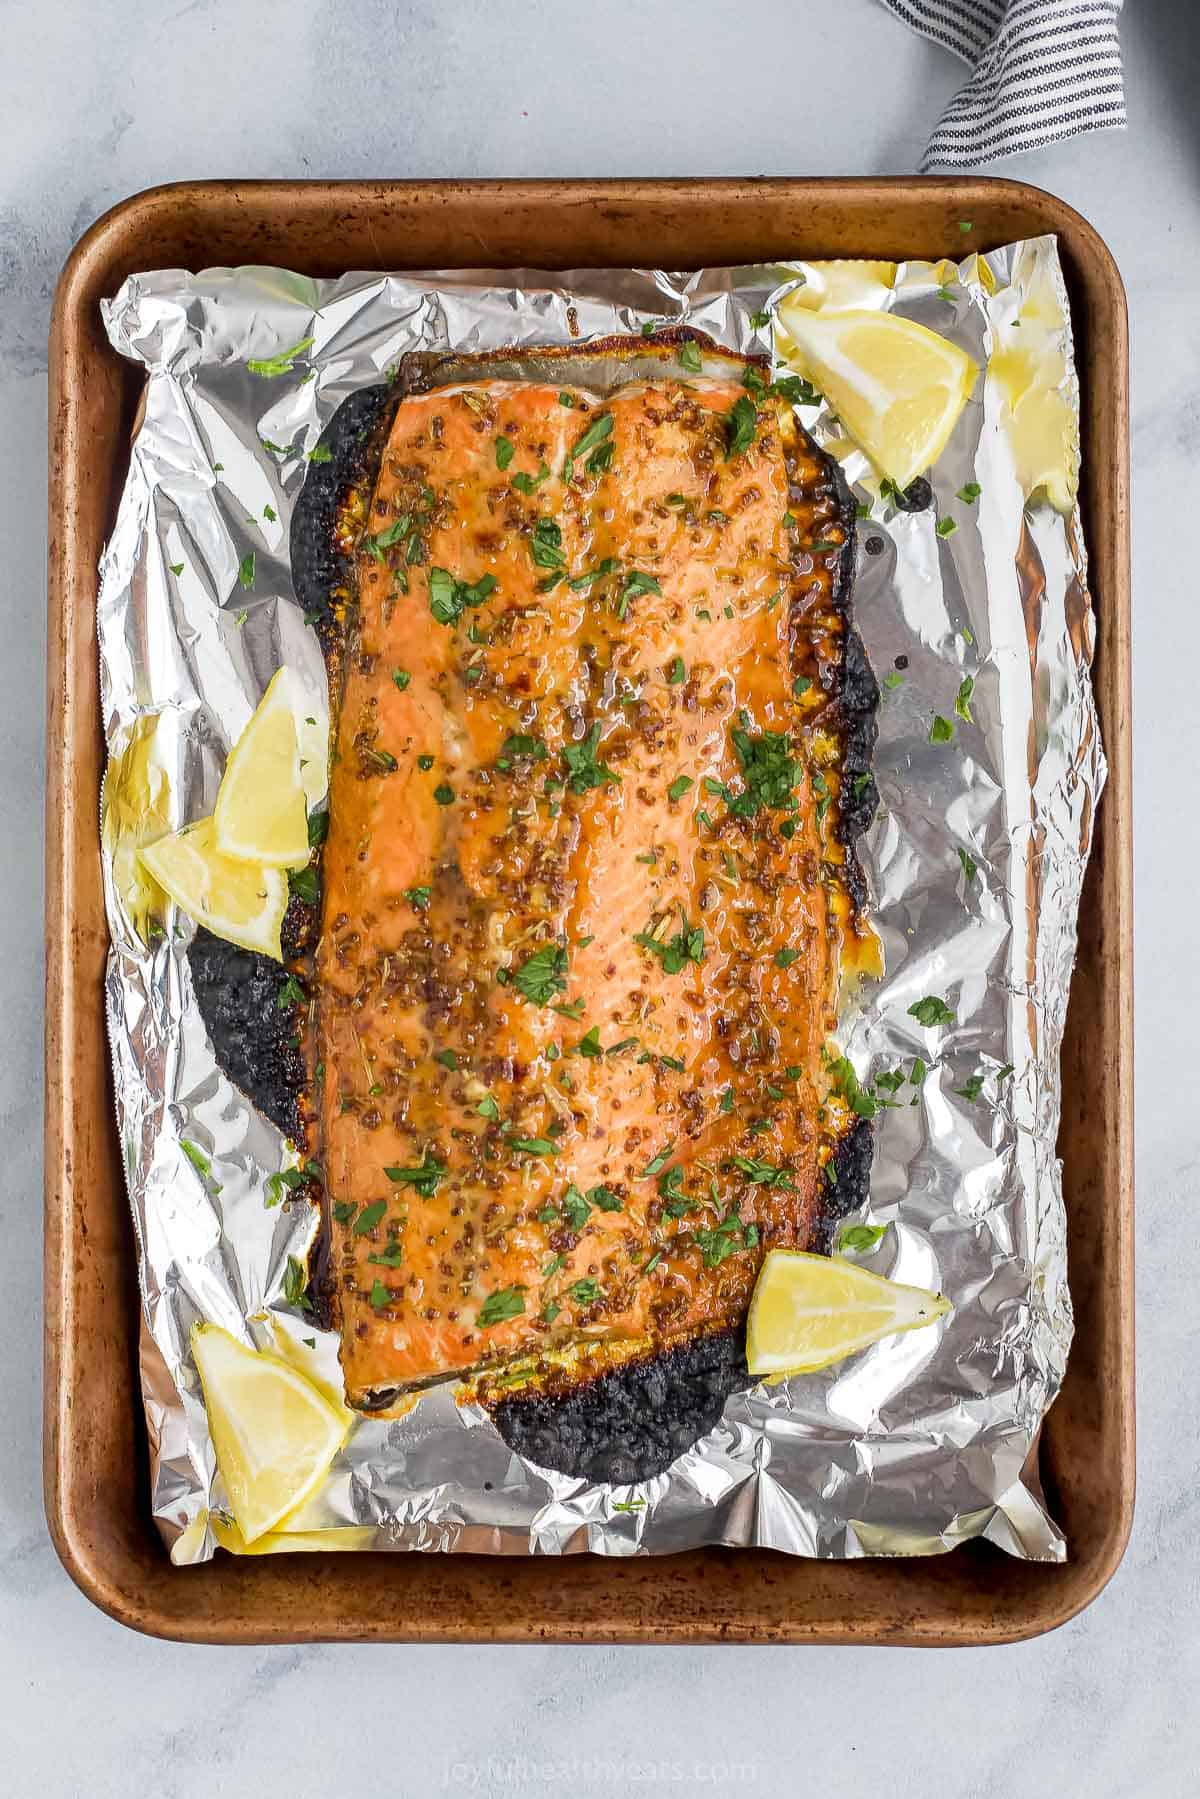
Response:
column 545, row 544
column 533, row 1146
column 318, row 828
column 845, row 1082
column 741, row 423
column 286, row 1181
column 585, row 1292
column 649, row 327
column 970, row 493
column 689, row 358
column 966, row 225
column 418, row 897
column 659, row 1162
column 687, row 945
column 517, row 745
column 785, row 957
column 290, row 994
column 528, row 484
column 800, row 686
column 962, row 702
column 931, row 1011
column 860, row 1236
column 609, row 566
column 391, row 1257
column 321, row 453
column 543, row 974
column 487, row 1108
column 369, row 1217
column 575, row 1208
column 589, row 1043
column 752, row 378
column 727, row 1100
column 946, row 527
column 197, row 1158
column 505, row 451
column 636, row 581
column 759, row 319
column 449, row 599
column 448, row 1059
column 423, row 1179
column 566, row 399
column 281, row 363
column 388, row 537
column 303, row 883
column 676, row 673
column 679, row 787
column 722, row 1241
column 506, row 1302
column 295, row 1281
column 941, row 730
column 893, row 679
column 769, row 770
column 380, row 1295
column 593, row 440
column 972, row 1087
column 344, row 1211
column 246, row 569
column 970, row 867
column 762, row 1174
column 584, row 769
column 795, row 390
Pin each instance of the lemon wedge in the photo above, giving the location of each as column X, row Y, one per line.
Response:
column 897, row 387
column 278, row 1542
column 243, row 903
column 808, row 1311
column 136, row 807
column 273, row 1434
column 261, row 815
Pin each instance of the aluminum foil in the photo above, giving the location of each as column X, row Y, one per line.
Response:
column 923, row 1440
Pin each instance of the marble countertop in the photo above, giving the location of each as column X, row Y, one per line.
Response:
column 121, row 95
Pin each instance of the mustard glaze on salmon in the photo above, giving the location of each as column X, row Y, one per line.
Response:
column 582, row 899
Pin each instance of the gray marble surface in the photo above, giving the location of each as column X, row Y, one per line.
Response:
column 103, row 97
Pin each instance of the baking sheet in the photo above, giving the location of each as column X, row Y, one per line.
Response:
column 913, row 1445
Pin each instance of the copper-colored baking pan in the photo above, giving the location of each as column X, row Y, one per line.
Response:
column 95, row 1452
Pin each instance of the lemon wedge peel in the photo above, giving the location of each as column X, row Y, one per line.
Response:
column 898, row 388
column 242, row 902
column 282, row 1542
column 261, row 814
column 273, row 1434
column 808, row 1311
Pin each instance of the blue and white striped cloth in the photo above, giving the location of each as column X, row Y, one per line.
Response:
column 1044, row 70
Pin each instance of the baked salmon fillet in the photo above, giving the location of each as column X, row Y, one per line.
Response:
column 584, row 892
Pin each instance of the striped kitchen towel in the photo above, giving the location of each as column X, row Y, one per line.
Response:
column 1044, row 70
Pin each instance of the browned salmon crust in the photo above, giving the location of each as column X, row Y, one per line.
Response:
column 585, row 890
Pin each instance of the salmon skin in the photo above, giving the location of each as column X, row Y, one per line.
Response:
column 588, row 880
